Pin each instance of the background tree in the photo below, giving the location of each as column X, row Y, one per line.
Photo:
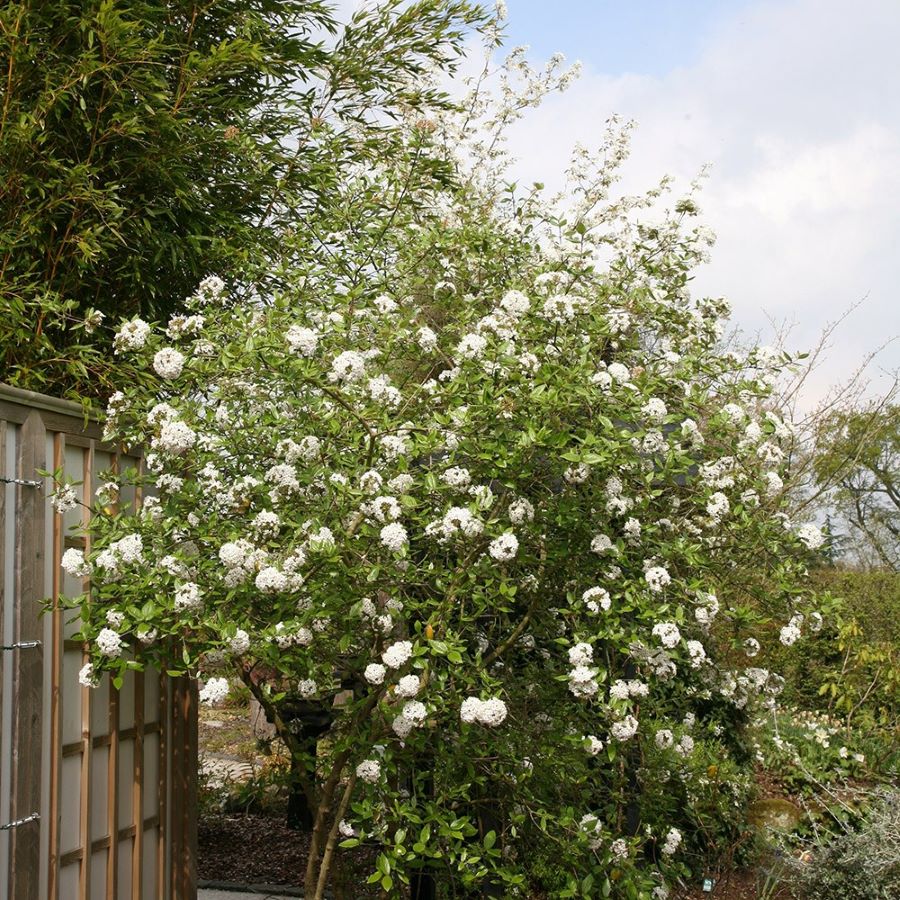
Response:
column 146, row 144
column 858, row 454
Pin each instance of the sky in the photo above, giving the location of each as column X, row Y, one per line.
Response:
column 795, row 105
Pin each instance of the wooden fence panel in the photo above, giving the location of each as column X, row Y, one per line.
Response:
column 97, row 787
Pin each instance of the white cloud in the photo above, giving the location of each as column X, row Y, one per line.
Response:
column 795, row 105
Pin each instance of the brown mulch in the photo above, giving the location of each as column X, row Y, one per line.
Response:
column 253, row 848
column 741, row 884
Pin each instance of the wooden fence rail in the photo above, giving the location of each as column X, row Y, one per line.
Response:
column 97, row 786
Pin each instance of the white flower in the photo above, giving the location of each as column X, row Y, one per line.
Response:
column 583, row 682
column 87, row 677
column 668, row 633
column 790, row 633
column 489, row 713
column 174, row 437
column 685, row 745
column 397, row 654
column 505, row 547
column 811, row 535
column 240, row 643
column 168, row 363
column 457, row 477
column 307, row 688
column 673, row 839
column 64, row 499
column 187, row 596
column 346, row 829
column 266, row 523
column 385, row 304
column 130, row 548
column 596, row 598
column 109, row 643
column 664, row 739
column 657, row 578
column 697, row 653
column 468, row 711
column 131, row 335
column 594, row 744
column 618, row 372
column 393, row 446
column 375, row 673
column 426, row 339
column 348, row 366
column 774, row 484
column 472, row 346
column 751, row 647
column 234, row 555
column 717, row 506
column 625, row 728
column 619, row 848
column 369, row 770
column 270, row 580
column 520, row 511
column 214, row 691
column 408, row 686
column 655, row 410
column 577, row 474
column 581, row 655
column 515, row 304
column 414, row 711
column 394, row 537
column 73, row 563
column 601, row 544
column 322, row 540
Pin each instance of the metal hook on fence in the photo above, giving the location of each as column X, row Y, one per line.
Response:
column 21, row 645
column 32, row 818
column 25, row 482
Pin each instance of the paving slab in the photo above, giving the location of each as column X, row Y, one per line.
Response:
column 216, row 894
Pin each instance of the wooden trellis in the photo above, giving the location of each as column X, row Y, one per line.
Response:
column 97, row 786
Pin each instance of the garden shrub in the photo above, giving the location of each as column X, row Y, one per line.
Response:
column 863, row 864
column 481, row 482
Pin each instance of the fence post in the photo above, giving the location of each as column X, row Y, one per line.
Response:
column 28, row 665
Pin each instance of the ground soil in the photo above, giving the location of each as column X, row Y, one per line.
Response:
column 257, row 848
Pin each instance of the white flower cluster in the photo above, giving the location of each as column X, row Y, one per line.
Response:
column 490, row 713
column 214, row 691
column 109, row 643
column 302, row 340
column 505, row 547
column 74, row 563
column 131, row 336
column 64, row 499
column 168, row 363
column 596, row 598
column 369, row 770
column 397, row 655
column 668, row 634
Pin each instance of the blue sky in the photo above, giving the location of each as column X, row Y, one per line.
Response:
column 793, row 103
column 650, row 37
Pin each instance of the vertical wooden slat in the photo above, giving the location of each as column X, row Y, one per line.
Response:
column 112, row 777
column 112, row 798
column 4, row 811
column 55, row 650
column 137, row 790
column 183, row 839
column 28, row 663
column 84, row 825
column 162, row 807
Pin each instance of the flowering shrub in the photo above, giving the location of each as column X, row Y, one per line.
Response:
column 511, row 517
